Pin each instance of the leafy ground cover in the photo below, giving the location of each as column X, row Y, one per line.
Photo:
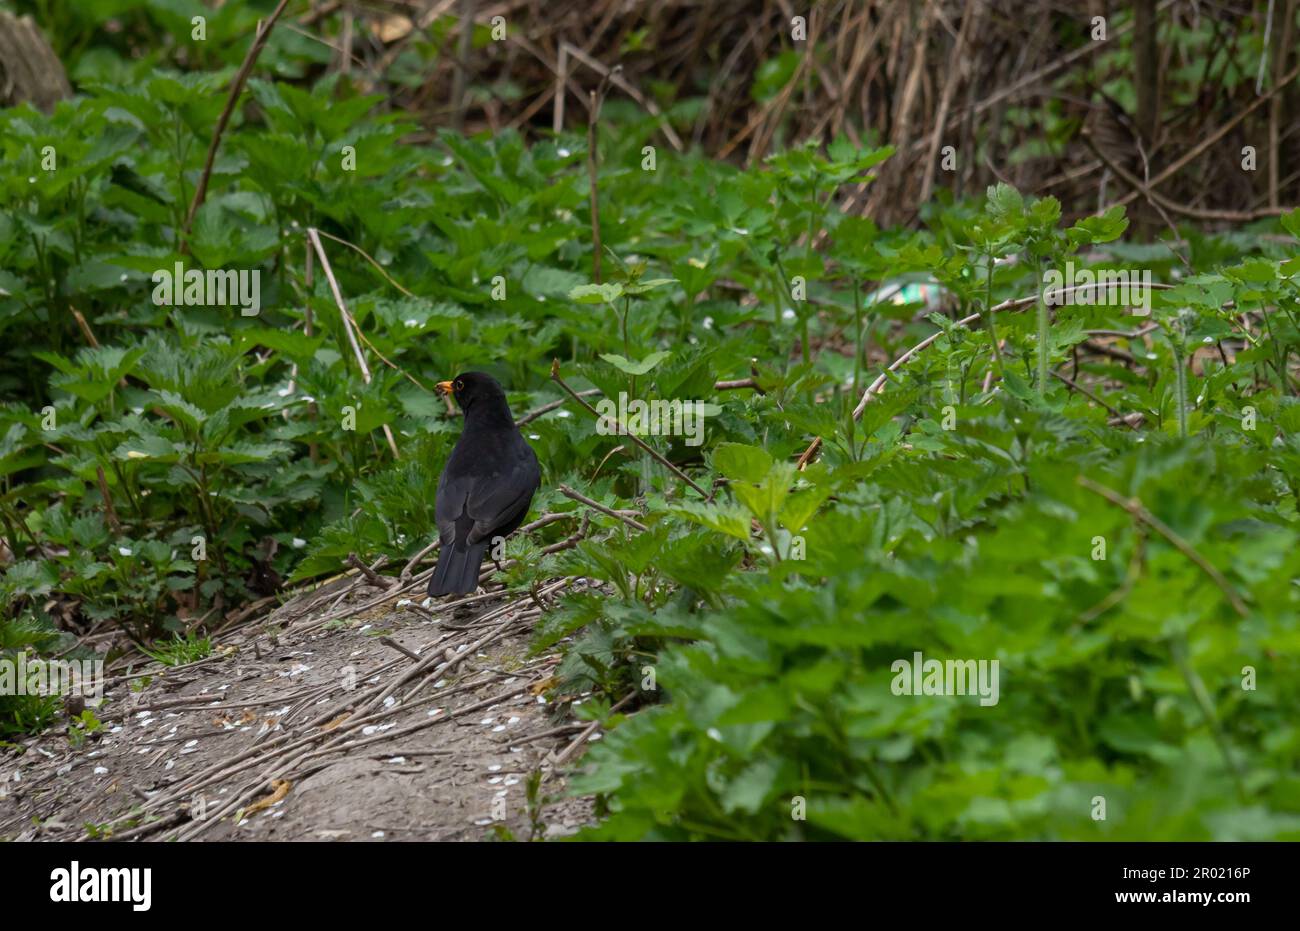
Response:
column 1102, row 501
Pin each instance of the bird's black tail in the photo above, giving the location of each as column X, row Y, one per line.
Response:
column 457, row 569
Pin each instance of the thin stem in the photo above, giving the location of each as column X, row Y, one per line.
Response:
column 857, row 336
column 1180, row 390
column 1134, row 506
column 992, row 314
column 555, row 376
column 1195, row 685
column 1043, row 350
column 1279, row 360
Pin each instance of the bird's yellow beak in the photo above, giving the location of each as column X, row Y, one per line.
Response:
column 444, row 386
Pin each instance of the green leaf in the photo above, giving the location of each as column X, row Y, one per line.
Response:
column 181, row 410
column 636, row 368
column 799, row 508
column 1291, row 222
column 1016, row 385
column 766, row 499
column 1104, row 228
column 596, row 293
column 1005, row 201
column 722, row 517
column 650, row 284
column 92, row 275
column 747, row 792
column 742, row 463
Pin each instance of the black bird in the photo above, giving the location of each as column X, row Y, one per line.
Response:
column 486, row 486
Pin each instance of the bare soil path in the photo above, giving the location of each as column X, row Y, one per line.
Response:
column 350, row 713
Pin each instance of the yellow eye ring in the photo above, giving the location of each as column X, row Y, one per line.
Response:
column 460, row 385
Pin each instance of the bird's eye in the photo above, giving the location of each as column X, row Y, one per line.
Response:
column 460, row 385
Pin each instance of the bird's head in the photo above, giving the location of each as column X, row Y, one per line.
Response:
column 476, row 391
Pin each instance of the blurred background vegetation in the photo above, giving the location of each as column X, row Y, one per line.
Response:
column 1018, row 89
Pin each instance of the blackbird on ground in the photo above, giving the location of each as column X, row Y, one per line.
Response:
column 486, row 486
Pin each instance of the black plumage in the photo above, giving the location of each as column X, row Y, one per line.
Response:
column 486, row 486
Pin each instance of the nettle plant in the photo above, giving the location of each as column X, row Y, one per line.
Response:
column 183, row 422
column 1020, row 489
column 246, row 444
column 161, row 475
column 1131, row 619
column 968, row 547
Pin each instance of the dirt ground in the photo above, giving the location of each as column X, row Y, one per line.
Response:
column 351, row 713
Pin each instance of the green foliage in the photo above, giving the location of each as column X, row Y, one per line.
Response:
column 81, row 727
column 1130, row 678
column 163, row 463
column 180, row 650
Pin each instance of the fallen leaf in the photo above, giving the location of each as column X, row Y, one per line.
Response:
column 392, row 28
column 281, row 790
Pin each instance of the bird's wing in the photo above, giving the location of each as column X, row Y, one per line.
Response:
column 450, row 506
column 495, row 502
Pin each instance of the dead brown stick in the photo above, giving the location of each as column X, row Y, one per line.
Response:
column 735, row 384
column 394, row 366
column 405, row 574
column 547, row 408
column 555, row 376
column 465, row 25
column 594, row 186
column 542, row 522
column 593, row 157
column 1134, row 506
column 1195, row 151
column 553, row 732
column 968, row 18
column 109, row 511
column 348, row 324
column 367, row 256
column 236, row 88
column 86, row 331
column 597, row 506
column 614, row 76
column 1162, row 203
column 84, row 325
column 563, row 756
column 143, row 829
column 561, row 76
column 572, row 540
column 1280, row 52
column 1092, row 397
column 394, row 645
column 371, row 575
column 877, row 386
